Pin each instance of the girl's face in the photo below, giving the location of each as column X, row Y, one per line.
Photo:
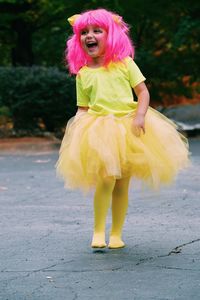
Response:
column 93, row 41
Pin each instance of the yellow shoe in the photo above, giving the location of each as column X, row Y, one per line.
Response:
column 115, row 242
column 98, row 240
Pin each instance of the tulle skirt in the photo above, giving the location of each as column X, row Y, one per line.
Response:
column 96, row 147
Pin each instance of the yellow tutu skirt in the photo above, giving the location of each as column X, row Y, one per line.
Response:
column 96, row 147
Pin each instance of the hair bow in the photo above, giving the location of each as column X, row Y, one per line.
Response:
column 117, row 19
column 73, row 19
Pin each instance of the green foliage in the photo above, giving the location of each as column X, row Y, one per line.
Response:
column 165, row 34
column 5, row 111
column 37, row 94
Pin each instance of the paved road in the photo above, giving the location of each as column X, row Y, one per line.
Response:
column 46, row 232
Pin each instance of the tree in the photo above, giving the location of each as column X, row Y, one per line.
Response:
column 21, row 19
column 165, row 34
column 28, row 24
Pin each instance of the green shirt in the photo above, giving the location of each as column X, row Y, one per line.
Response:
column 109, row 90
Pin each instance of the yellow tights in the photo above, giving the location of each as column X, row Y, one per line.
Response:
column 117, row 190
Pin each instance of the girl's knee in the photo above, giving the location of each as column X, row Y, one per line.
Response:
column 107, row 183
column 121, row 186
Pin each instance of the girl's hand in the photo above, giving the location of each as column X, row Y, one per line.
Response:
column 138, row 125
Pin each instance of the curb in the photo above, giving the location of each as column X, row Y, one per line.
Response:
column 29, row 144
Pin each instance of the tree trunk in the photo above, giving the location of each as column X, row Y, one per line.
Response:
column 22, row 53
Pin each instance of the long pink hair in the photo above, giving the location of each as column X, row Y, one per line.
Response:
column 119, row 44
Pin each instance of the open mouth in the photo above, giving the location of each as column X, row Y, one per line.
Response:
column 91, row 45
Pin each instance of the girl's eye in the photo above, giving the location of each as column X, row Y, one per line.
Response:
column 97, row 30
column 83, row 32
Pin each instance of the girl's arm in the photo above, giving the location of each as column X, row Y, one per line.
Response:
column 142, row 94
column 82, row 108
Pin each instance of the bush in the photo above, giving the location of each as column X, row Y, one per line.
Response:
column 37, row 95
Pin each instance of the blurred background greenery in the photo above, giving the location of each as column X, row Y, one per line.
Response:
column 36, row 92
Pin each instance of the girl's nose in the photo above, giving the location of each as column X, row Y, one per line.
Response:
column 89, row 34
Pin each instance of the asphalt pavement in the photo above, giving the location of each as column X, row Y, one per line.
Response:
column 46, row 233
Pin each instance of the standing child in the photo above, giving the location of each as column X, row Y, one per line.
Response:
column 112, row 137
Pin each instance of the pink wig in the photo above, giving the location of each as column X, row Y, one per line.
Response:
column 119, row 44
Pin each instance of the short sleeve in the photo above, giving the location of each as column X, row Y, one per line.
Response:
column 82, row 97
column 135, row 75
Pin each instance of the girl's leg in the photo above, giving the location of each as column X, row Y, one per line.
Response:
column 102, row 200
column 119, row 209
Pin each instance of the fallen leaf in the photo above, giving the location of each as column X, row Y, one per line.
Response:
column 3, row 188
column 42, row 161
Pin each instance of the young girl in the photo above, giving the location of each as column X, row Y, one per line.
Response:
column 112, row 137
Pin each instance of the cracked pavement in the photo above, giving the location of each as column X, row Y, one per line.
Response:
column 46, row 232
